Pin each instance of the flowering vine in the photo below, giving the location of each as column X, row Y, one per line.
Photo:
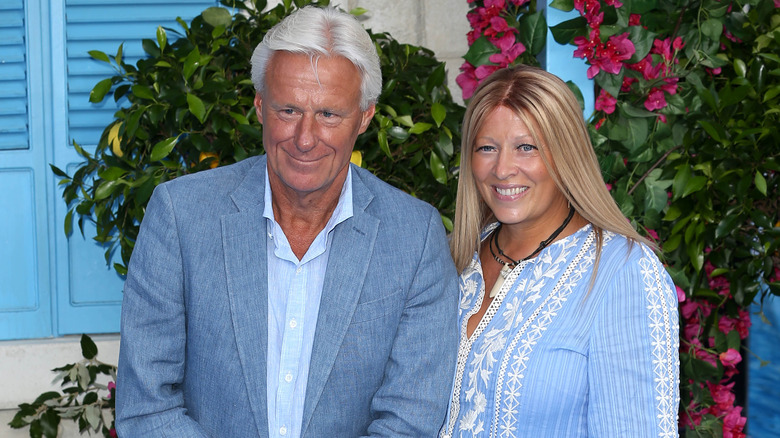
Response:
column 684, row 123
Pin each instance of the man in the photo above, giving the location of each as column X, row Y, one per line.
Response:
column 291, row 294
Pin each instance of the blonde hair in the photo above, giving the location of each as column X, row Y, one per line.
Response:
column 549, row 109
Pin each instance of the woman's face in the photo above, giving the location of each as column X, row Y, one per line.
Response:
column 511, row 176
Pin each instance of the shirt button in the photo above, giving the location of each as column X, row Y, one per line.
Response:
column 293, row 323
column 298, row 271
column 282, row 430
column 288, row 378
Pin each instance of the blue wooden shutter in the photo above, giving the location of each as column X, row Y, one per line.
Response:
column 25, row 290
column 88, row 290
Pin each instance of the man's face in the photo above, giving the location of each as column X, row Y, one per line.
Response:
column 310, row 122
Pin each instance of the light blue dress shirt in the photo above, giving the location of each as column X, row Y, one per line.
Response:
column 294, row 291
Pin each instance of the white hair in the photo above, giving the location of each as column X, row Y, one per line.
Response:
column 319, row 32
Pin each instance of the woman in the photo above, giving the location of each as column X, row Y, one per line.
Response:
column 568, row 321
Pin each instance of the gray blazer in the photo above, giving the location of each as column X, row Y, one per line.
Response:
column 194, row 317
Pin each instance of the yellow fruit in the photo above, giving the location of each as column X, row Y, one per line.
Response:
column 115, row 141
column 205, row 155
column 356, row 158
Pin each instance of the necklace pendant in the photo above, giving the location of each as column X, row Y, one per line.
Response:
column 505, row 270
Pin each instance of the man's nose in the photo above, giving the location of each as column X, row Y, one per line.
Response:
column 305, row 138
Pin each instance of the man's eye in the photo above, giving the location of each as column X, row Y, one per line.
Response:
column 288, row 111
column 327, row 114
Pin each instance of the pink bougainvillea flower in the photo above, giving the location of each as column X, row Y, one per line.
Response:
column 484, row 71
column 655, row 100
column 519, row 2
column 678, row 43
column 467, row 81
column 722, row 396
column 618, row 49
column 653, row 234
column 605, row 102
column 662, row 118
column 608, row 185
column 734, row 423
column 743, row 324
column 730, row 357
column 726, row 324
column 670, row 85
column 499, row 24
column 634, row 19
column 112, row 433
column 680, row 294
column 495, row 4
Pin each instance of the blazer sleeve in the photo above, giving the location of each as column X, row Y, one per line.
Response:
column 412, row 401
column 150, row 401
column 633, row 370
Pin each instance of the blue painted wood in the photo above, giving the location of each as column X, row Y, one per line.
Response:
column 25, row 287
column 88, row 290
column 51, row 285
column 559, row 59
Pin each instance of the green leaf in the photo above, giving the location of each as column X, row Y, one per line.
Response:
column 92, row 412
column 163, row 148
column 142, row 92
column 100, row 90
column 196, row 107
column 381, row 137
column 438, row 112
column 717, row 133
column 760, row 182
column 419, row 128
column 712, row 28
column 562, row 5
column 533, row 32
column 437, row 169
column 57, row 171
column 480, row 51
column 104, row 190
column 564, row 33
column 69, row 223
column 100, row 56
column 358, row 11
column 216, row 16
column 694, row 185
column 162, row 37
column 643, row 42
column 88, row 348
column 46, row 396
column 609, row 82
column 726, row 225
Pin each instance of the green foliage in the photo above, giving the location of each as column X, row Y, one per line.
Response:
column 703, row 170
column 190, row 107
column 84, row 399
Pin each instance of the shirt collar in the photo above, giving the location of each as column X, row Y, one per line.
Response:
column 343, row 209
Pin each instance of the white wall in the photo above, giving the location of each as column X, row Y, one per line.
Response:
column 25, row 366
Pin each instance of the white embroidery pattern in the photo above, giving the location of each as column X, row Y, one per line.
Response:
column 506, row 410
column 662, row 312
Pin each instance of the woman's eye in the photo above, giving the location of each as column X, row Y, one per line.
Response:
column 485, row 148
column 527, row 148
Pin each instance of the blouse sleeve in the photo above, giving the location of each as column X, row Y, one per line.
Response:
column 633, row 370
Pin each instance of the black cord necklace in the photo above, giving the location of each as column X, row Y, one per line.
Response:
column 512, row 262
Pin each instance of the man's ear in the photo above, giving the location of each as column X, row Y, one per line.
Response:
column 259, row 107
column 368, row 114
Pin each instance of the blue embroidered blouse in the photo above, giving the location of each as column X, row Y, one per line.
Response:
column 551, row 359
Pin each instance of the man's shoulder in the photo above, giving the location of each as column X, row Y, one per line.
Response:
column 218, row 181
column 389, row 199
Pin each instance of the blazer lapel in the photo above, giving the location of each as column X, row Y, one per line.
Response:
column 351, row 248
column 244, row 243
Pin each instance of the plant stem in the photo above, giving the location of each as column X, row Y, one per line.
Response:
column 656, row 164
